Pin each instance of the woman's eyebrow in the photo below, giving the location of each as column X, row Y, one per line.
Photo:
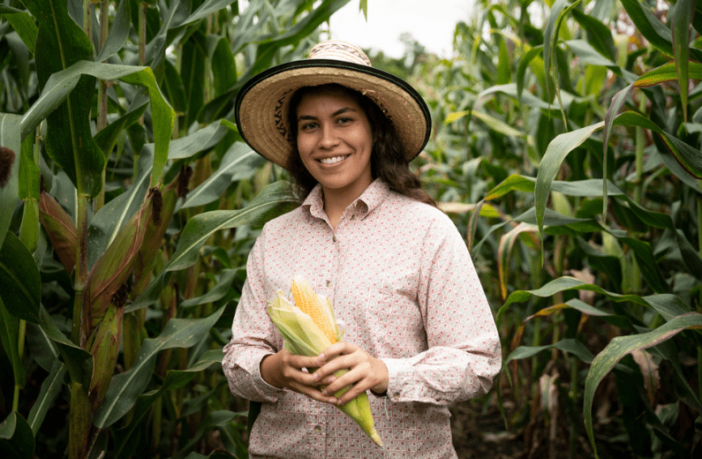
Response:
column 336, row 113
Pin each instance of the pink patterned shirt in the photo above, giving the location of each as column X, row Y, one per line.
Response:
column 402, row 282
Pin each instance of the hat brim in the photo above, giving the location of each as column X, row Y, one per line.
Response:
column 262, row 104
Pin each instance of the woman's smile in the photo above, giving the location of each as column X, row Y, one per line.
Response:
column 335, row 141
column 333, row 160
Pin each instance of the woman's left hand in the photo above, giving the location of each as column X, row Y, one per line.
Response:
column 364, row 371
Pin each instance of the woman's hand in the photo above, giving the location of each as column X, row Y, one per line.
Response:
column 364, row 371
column 285, row 370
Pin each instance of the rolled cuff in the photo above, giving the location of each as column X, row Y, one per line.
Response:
column 245, row 379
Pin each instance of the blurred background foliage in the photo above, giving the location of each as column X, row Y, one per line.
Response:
column 566, row 148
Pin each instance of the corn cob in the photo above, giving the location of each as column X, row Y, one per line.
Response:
column 315, row 306
column 308, row 328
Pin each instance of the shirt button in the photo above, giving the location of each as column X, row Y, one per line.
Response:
column 334, row 238
column 396, row 395
column 353, row 217
column 329, row 283
column 317, row 429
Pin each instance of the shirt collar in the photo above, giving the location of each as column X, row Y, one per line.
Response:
column 372, row 197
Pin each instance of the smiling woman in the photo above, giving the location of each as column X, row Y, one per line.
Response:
column 418, row 328
column 334, row 143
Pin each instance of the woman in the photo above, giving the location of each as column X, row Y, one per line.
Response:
column 419, row 333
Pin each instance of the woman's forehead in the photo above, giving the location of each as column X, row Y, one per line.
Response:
column 327, row 97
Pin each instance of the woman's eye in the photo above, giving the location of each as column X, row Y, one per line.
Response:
column 308, row 126
column 344, row 120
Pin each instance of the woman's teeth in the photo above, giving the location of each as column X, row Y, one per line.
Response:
column 333, row 160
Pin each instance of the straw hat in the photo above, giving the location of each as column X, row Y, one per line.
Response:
column 262, row 104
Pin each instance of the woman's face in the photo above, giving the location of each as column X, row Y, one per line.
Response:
column 335, row 141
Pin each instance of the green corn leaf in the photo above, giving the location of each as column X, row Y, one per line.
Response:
column 266, row 50
column 4, row 9
column 126, row 387
column 666, row 304
column 61, row 84
column 653, row 29
column 200, row 140
column 21, row 55
column 589, row 55
column 24, row 25
column 20, row 282
column 622, row 346
column 9, row 336
column 215, row 419
column 504, row 253
column 69, row 142
column 239, row 163
column 16, row 437
column 49, row 392
column 41, row 347
column 598, row 34
column 28, row 172
column 683, row 13
column 173, row 87
column 223, row 65
column 193, row 61
column 216, row 292
column 175, row 379
column 118, row 34
column 571, row 346
column 523, row 64
column 550, row 164
column 10, row 139
column 107, row 137
column 79, row 362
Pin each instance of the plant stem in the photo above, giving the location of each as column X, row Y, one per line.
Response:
column 80, row 328
column 79, row 422
column 102, row 97
column 142, row 33
column 88, row 19
column 20, row 352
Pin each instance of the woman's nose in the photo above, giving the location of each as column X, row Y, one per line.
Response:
column 329, row 137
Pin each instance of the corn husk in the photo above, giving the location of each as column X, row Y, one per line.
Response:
column 302, row 336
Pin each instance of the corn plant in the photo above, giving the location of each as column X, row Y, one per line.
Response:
column 128, row 204
column 569, row 153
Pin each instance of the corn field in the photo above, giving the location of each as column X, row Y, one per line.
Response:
column 566, row 148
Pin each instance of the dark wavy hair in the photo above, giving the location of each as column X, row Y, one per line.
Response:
column 388, row 159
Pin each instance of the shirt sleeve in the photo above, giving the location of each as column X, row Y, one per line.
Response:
column 464, row 352
column 253, row 335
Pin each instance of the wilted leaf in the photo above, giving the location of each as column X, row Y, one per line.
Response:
column 649, row 370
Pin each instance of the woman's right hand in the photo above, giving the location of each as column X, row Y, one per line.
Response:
column 285, row 370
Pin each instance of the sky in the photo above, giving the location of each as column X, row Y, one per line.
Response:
column 431, row 23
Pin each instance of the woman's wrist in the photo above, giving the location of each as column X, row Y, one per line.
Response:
column 268, row 370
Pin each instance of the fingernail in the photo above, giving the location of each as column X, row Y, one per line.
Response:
column 331, row 400
column 324, row 392
column 332, row 379
column 315, row 376
column 338, row 402
column 321, row 356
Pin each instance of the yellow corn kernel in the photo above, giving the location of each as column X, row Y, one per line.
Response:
column 309, row 303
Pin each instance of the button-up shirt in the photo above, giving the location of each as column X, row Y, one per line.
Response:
column 404, row 289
